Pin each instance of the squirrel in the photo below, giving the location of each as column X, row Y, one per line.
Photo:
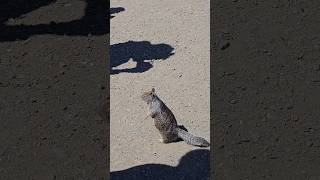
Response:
column 166, row 123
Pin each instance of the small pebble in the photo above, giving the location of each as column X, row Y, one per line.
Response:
column 225, row 46
column 234, row 101
column 310, row 144
column 62, row 64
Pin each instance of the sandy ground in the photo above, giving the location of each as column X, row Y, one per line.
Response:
column 266, row 89
column 52, row 84
column 177, row 33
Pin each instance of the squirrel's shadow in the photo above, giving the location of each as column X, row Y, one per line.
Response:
column 140, row 52
column 193, row 165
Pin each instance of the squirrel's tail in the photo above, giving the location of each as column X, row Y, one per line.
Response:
column 191, row 139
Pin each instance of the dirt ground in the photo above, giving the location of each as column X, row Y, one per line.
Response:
column 265, row 82
column 52, row 84
column 165, row 46
column 265, row 86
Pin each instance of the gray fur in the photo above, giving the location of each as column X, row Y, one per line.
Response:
column 166, row 123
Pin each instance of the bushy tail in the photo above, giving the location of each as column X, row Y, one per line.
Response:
column 191, row 139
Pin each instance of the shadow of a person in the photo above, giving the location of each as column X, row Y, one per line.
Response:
column 195, row 165
column 140, row 52
column 16, row 8
column 115, row 11
column 95, row 22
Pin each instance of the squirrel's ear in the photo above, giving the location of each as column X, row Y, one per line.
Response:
column 153, row 90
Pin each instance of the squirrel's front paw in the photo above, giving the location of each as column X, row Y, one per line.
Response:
column 161, row 140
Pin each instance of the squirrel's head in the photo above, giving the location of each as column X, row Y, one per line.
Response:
column 149, row 96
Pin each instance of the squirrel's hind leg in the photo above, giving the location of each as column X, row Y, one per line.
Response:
column 164, row 139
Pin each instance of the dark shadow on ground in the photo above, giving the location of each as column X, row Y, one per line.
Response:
column 265, row 87
column 139, row 51
column 194, row 165
column 94, row 22
column 16, row 8
column 115, row 11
